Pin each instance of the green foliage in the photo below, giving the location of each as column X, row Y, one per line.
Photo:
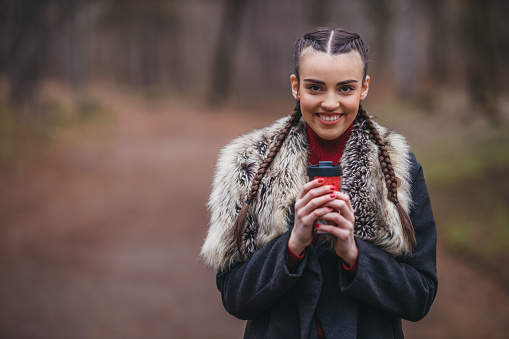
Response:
column 26, row 134
column 469, row 181
column 459, row 157
column 20, row 140
column 485, row 235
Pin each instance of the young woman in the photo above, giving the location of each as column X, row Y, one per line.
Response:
column 376, row 262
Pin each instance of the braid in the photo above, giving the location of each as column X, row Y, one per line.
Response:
column 240, row 222
column 391, row 181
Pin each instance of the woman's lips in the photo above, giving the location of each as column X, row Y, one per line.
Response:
column 329, row 119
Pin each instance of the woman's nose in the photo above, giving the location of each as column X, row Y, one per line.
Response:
column 330, row 102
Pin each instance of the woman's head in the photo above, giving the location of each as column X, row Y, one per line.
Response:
column 330, row 79
column 330, row 41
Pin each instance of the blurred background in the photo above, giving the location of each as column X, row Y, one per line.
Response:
column 112, row 114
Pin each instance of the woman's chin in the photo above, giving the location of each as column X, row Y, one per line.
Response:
column 329, row 134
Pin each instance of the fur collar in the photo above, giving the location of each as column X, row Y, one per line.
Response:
column 377, row 219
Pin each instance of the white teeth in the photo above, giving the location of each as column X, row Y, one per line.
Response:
column 329, row 118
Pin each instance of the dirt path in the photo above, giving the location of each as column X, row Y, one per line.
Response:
column 100, row 238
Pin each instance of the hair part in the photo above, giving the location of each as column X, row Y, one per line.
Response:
column 329, row 43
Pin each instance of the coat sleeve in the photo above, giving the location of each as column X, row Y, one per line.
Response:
column 404, row 286
column 252, row 287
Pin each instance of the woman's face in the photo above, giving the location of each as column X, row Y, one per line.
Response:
column 330, row 90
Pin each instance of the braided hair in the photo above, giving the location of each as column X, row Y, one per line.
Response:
column 330, row 41
column 240, row 222
column 391, row 181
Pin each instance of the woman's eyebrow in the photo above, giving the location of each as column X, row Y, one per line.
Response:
column 315, row 81
column 323, row 83
column 346, row 82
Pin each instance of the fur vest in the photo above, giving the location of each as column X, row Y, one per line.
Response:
column 270, row 214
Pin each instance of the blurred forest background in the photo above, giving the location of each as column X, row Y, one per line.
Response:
column 112, row 114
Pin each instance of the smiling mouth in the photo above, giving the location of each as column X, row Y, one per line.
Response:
column 329, row 118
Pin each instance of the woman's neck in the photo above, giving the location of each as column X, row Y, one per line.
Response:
column 326, row 150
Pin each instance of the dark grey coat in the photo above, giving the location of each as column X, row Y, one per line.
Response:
column 279, row 303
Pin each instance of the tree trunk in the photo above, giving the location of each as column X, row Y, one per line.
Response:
column 438, row 46
column 405, row 49
column 28, row 43
column 319, row 12
column 222, row 71
column 379, row 12
column 481, row 60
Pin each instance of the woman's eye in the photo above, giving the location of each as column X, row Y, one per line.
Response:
column 346, row 89
column 314, row 88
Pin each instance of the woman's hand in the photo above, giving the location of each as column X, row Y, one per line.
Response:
column 318, row 201
column 310, row 205
column 344, row 217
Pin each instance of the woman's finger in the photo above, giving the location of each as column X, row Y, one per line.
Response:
column 310, row 185
column 316, row 214
column 345, row 198
column 338, row 221
column 319, row 191
column 317, row 199
column 314, row 192
column 338, row 232
column 343, row 208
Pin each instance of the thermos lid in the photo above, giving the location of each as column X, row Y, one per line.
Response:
column 325, row 169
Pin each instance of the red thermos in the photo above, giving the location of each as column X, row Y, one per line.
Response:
column 331, row 175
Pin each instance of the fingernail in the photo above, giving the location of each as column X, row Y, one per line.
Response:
column 332, row 195
column 320, row 181
column 330, row 208
column 317, row 225
column 333, row 188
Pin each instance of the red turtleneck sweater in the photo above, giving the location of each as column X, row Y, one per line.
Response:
column 326, row 150
column 323, row 150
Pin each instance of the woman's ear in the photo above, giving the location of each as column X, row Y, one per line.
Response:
column 365, row 88
column 295, row 86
